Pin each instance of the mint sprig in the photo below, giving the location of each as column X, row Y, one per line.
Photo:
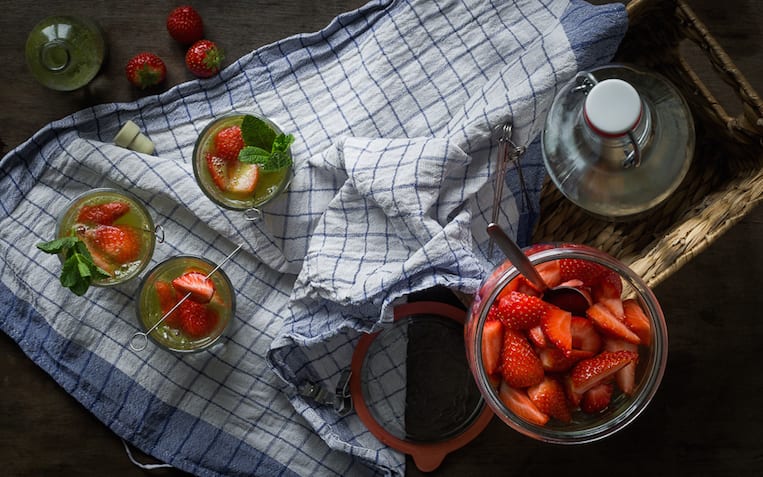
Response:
column 78, row 270
column 263, row 146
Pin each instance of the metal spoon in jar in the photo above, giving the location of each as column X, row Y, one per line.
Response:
column 565, row 297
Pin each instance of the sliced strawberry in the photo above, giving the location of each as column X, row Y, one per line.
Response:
column 196, row 320
column 584, row 335
column 520, row 366
column 573, row 396
column 228, row 143
column 526, row 288
column 99, row 258
column 637, row 321
column 518, row 311
column 556, row 326
column 550, row 272
column 626, row 376
column 492, row 340
column 520, row 404
column 610, row 285
column 574, row 283
column 555, row 360
column 118, row 244
column 606, row 321
column 518, row 284
column 167, row 299
column 197, row 284
column 589, row 372
column 537, row 337
column 218, row 169
column 491, row 281
column 103, row 214
column 243, row 178
column 597, row 398
column 615, row 305
column 548, row 396
column 587, row 272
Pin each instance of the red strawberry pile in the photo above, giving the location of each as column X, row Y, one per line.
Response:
column 203, row 57
column 547, row 364
column 193, row 317
column 110, row 245
column 228, row 173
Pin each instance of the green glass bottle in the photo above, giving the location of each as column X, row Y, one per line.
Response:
column 65, row 53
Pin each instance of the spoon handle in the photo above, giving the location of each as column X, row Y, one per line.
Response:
column 516, row 256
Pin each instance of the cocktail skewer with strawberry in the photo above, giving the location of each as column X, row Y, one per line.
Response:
column 193, row 319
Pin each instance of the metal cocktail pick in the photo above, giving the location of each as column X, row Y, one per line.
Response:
column 139, row 340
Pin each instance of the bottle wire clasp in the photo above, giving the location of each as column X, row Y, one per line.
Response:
column 508, row 153
column 585, row 82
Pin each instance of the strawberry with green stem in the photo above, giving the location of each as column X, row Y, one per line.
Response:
column 145, row 70
column 204, row 58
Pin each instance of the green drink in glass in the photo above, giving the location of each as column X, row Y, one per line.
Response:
column 199, row 321
column 116, row 229
column 242, row 161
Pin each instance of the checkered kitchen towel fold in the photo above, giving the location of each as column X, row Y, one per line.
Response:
column 396, row 109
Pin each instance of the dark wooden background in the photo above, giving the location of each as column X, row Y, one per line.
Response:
column 706, row 419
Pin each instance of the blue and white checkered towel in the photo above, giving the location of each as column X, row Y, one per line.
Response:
column 396, row 109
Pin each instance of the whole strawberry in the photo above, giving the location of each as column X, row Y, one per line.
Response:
column 145, row 70
column 184, row 25
column 204, row 58
column 228, row 143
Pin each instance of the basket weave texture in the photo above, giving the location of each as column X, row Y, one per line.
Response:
column 725, row 181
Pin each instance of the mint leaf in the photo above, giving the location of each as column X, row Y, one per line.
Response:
column 263, row 146
column 277, row 161
column 282, row 142
column 253, row 155
column 79, row 288
column 257, row 132
column 58, row 245
column 83, row 269
column 78, row 270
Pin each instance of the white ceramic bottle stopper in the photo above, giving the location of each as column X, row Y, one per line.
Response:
column 131, row 138
column 612, row 108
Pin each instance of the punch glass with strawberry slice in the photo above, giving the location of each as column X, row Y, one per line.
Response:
column 567, row 376
column 242, row 162
column 104, row 237
column 200, row 320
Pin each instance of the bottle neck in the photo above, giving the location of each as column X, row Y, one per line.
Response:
column 55, row 56
column 617, row 121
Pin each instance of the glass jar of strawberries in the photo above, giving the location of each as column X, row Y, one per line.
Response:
column 567, row 376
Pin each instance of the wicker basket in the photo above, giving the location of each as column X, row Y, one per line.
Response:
column 725, row 181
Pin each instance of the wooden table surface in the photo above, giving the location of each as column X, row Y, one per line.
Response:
column 705, row 420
